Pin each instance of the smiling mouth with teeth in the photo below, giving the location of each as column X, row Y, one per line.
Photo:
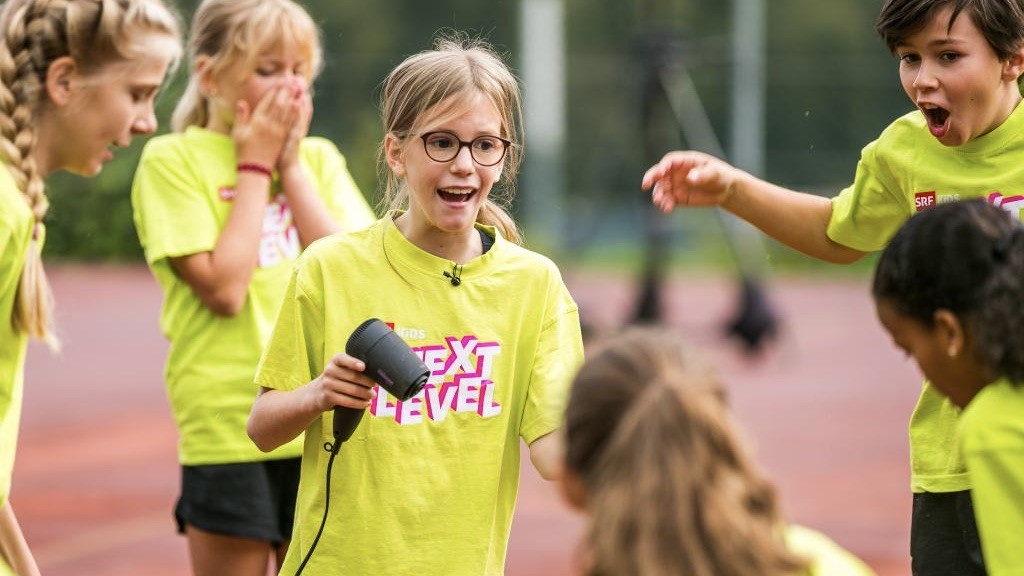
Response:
column 460, row 196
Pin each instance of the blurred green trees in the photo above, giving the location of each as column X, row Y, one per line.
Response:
column 832, row 87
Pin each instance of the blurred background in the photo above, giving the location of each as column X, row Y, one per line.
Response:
column 790, row 89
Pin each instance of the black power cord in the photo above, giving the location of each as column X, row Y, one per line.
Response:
column 333, row 449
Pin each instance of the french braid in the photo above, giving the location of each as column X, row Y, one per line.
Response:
column 34, row 34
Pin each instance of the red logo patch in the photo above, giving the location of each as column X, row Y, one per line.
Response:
column 924, row 200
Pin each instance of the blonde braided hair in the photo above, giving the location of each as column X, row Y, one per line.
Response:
column 33, row 34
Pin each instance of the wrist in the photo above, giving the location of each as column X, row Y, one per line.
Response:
column 290, row 170
column 255, row 168
column 735, row 188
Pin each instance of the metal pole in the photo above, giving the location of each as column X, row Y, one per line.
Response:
column 746, row 146
column 542, row 41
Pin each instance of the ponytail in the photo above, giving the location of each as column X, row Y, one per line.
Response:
column 671, row 486
column 493, row 214
column 675, row 491
column 192, row 108
column 33, row 304
column 997, row 322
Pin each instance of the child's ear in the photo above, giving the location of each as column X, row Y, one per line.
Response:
column 393, row 154
column 950, row 332
column 1013, row 67
column 204, row 72
column 59, row 75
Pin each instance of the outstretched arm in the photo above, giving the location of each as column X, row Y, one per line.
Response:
column 796, row 219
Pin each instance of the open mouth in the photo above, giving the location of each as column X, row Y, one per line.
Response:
column 938, row 120
column 449, row 195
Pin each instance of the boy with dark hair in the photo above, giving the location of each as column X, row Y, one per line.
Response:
column 959, row 63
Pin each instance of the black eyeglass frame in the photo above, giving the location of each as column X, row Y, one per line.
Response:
column 506, row 144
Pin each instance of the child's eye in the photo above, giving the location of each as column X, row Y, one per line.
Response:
column 948, row 56
column 908, row 58
column 142, row 94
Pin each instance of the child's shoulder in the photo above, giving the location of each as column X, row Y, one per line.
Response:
column 526, row 259
column 910, row 127
column 192, row 139
column 344, row 245
column 164, row 143
column 996, row 406
column 320, row 151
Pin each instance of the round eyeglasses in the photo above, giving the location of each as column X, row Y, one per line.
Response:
column 443, row 146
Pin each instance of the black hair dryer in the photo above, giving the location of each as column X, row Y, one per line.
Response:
column 389, row 361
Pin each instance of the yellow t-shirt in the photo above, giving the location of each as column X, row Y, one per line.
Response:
column 902, row 172
column 427, row 486
column 16, row 221
column 992, row 438
column 182, row 197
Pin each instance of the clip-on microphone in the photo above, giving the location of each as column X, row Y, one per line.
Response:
column 389, row 361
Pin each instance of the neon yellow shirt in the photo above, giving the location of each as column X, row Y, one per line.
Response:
column 827, row 558
column 427, row 486
column 16, row 221
column 182, row 199
column 904, row 171
column 992, row 438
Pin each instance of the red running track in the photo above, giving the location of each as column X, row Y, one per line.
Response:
column 96, row 476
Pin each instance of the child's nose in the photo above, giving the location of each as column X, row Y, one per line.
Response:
column 145, row 123
column 925, row 78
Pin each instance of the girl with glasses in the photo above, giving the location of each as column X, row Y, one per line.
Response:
column 427, row 485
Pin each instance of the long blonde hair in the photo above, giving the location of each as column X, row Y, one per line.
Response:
column 231, row 31
column 35, row 33
column 460, row 68
column 671, row 487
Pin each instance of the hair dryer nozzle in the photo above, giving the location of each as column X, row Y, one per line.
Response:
column 389, row 361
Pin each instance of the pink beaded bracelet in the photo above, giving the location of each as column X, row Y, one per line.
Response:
column 255, row 167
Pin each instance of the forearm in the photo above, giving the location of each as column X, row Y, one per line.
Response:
column 312, row 219
column 220, row 278
column 236, row 254
column 277, row 416
column 795, row 219
column 13, row 547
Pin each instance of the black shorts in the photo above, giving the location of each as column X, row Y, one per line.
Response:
column 249, row 499
column 944, row 536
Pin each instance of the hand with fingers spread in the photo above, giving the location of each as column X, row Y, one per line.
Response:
column 689, row 179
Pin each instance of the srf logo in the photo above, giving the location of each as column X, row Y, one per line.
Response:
column 923, row 200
